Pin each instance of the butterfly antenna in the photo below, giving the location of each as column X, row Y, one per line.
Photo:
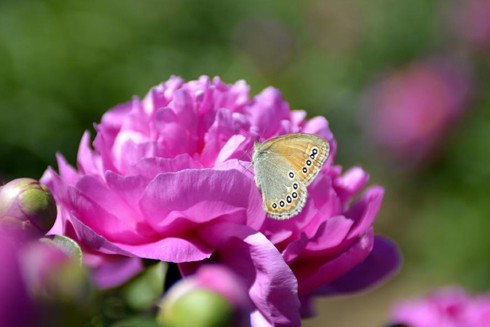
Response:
column 246, row 153
column 249, row 165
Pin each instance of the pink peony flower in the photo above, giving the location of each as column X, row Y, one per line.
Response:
column 451, row 307
column 168, row 180
column 410, row 111
column 468, row 19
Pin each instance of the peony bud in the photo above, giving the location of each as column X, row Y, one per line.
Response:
column 214, row 296
column 52, row 270
column 27, row 206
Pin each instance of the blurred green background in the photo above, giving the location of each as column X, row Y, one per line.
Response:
column 64, row 63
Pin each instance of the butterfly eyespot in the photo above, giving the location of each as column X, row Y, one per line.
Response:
column 281, row 203
column 274, row 205
column 295, row 186
column 314, row 151
column 289, row 199
column 295, row 195
column 312, row 156
column 308, row 162
column 291, row 174
column 305, row 170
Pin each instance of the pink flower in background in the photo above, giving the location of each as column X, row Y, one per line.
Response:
column 450, row 307
column 410, row 111
column 468, row 19
column 168, row 180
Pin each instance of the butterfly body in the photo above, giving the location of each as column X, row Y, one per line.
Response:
column 284, row 167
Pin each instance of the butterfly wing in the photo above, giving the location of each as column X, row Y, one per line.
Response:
column 305, row 153
column 284, row 195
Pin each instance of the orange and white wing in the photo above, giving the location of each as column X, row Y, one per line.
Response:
column 305, row 153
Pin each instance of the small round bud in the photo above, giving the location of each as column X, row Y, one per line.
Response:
column 53, row 271
column 26, row 205
column 199, row 307
column 214, row 296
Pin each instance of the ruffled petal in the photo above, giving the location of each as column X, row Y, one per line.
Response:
column 313, row 274
column 175, row 203
column 383, row 261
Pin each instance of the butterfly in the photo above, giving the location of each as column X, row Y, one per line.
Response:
column 284, row 166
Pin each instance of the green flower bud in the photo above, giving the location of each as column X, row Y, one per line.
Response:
column 53, row 271
column 198, row 308
column 27, row 205
column 213, row 297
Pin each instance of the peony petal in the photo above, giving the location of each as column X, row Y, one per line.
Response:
column 67, row 172
column 175, row 137
column 126, row 191
column 218, row 134
column 235, row 148
column 88, row 162
column 110, row 125
column 325, row 243
column 172, row 85
column 323, row 202
column 234, row 96
column 105, row 213
column 329, row 235
column 179, row 200
column 351, row 183
column 92, row 239
column 267, row 112
column 151, row 167
column 183, row 106
column 364, row 211
column 115, row 270
column 298, row 117
column 129, row 147
column 313, row 274
column 382, row 262
column 155, row 99
column 54, row 182
column 294, row 249
column 170, row 249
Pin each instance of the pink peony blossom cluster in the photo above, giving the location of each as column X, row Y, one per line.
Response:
column 167, row 179
column 410, row 111
column 450, row 307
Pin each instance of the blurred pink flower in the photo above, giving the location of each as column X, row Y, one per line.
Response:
column 468, row 19
column 410, row 111
column 167, row 180
column 450, row 307
column 16, row 307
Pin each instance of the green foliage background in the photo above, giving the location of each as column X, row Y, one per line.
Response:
column 64, row 63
